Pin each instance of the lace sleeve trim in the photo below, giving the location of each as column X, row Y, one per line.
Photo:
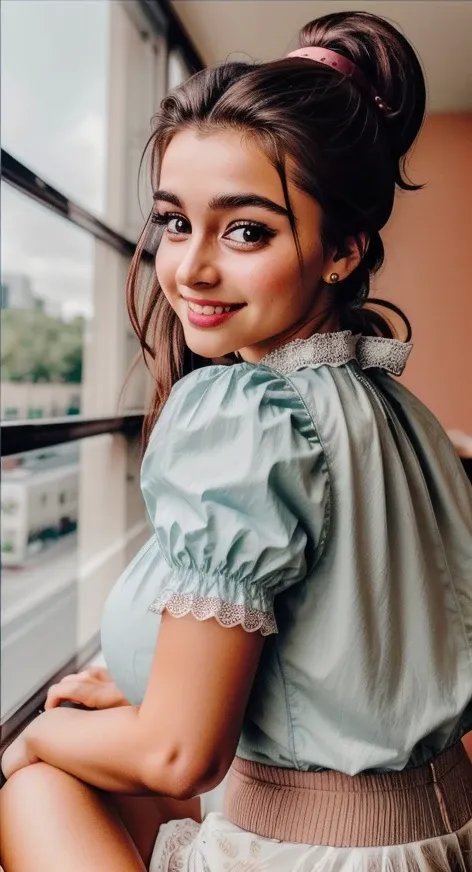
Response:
column 227, row 614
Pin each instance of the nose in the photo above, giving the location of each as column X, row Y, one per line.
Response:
column 197, row 266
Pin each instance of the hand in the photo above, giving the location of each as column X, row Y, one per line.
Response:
column 18, row 755
column 93, row 687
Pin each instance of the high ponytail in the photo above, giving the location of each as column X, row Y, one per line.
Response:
column 391, row 67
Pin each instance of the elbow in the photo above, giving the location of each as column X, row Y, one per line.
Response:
column 182, row 776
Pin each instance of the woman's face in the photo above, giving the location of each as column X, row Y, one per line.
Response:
column 227, row 261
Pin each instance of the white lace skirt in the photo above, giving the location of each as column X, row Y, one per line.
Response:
column 218, row 846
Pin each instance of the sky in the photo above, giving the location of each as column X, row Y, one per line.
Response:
column 54, row 89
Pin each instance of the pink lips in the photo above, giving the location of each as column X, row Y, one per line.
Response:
column 209, row 320
column 200, row 320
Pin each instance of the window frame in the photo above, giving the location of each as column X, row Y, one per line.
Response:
column 155, row 19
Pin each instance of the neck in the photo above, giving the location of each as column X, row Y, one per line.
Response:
column 328, row 323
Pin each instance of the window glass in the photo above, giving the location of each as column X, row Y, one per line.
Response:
column 55, row 61
column 39, row 570
column 72, row 516
column 47, row 307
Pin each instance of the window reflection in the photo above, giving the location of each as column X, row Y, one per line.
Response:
column 39, row 519
column 61, row 83
column 72, row 517
column 47, row 305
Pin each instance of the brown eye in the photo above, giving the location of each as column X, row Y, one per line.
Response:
column 175, row 224
column 249, row 233
column 180, row 225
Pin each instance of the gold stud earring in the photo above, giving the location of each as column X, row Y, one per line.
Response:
column 334, row 277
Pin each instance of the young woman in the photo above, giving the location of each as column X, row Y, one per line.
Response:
column 311, row 558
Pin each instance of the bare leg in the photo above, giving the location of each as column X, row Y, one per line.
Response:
column 50, row 820
column 143, row 815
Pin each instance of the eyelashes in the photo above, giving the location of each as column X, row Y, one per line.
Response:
column 262, row 233
column 164, row 219
column 261, row 230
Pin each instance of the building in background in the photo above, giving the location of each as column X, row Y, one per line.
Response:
column 20, row 400
column 38, row 508
column 16, row 291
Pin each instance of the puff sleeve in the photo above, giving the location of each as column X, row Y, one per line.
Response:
column 236, row 487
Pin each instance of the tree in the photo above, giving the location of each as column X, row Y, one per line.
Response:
column 72, row 365
column 37, row 347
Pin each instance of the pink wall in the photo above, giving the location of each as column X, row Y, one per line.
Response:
column 428, row 268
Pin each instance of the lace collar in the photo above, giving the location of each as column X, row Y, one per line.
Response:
column 336, row 349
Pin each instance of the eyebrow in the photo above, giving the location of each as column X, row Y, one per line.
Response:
column 228, row 201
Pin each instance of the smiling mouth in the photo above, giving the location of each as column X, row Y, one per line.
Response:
column 206, row 314
column 212, row 310
column 211, row 307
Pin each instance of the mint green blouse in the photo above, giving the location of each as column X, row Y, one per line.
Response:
column 314, row 499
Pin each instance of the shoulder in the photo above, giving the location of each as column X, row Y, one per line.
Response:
column 239, row 427
column 230, row 399
column 234, row 477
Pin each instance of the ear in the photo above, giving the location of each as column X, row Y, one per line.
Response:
column 343, row 262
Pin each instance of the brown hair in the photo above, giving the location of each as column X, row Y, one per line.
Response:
column 346, row 153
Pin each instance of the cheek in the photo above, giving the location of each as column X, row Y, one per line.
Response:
column 278, row 283
column 165, row 265
column 266, row 275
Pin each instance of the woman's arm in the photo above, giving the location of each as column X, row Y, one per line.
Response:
column 182, row 739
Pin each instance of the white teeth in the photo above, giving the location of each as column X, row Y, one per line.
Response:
column 208, row 310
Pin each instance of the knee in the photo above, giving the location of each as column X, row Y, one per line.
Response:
column 30, row 775
column 28, row 787
column 22, row 800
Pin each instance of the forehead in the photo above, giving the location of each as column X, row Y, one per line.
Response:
column 199, row 165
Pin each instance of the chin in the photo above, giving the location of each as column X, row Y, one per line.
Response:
column 208, row 346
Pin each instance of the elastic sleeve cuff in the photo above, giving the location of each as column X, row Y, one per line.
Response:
column 228, row 614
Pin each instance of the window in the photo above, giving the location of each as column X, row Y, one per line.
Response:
column 52, row 594
column 92, row 80
column 39, row 579
column 9, row 507
column 55, row 62
column 8, row 542
column 49, row 265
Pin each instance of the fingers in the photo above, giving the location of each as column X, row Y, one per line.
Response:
column 70, row 688
column 93, row 692
column 77, row 687
column 91, row 673
column 96, row 673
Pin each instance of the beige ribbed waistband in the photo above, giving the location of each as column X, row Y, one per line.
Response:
column 330, row 808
